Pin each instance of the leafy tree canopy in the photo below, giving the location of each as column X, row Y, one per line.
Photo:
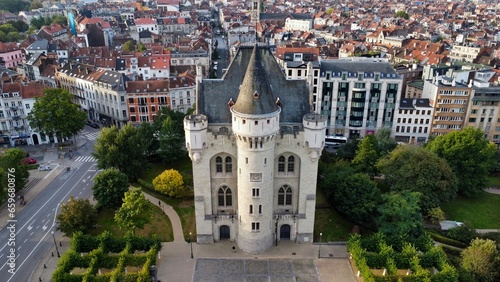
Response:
column 76, row 215
column 10, row 163
column 409, row 168
column 367, row 156
column 470, row 156
column 357, row 196
column 121, row 148
column 385, row 143
column 169, row 183
column 402, row 14
column 170, row 127
column 56, row 113
column 135, row 211
column 129, row 46
column 14, row 6
column 109, row 188
column 399, row 216
column 481, row 259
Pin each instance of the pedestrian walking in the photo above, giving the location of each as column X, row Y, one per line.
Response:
column 159, row 203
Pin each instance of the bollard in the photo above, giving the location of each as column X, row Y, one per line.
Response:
column 52, row 254
column 44, row 266
column 40, row 279
column 60, row 243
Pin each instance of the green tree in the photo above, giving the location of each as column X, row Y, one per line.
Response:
column 409, row 168
column 435, row 215
column 6, row 28
column 109, row 188
column 135, row 211
column 141, row 47
column 170, row 127
column 62, row 20
column 367, row 156
column 170, row 183
column 402, row 14
column 36, row 5
column 385, row 143
column 348, row 151
column 129, row 46
column 329, row 11
column 55, row 113
column 37, row 22
column 357, row 196
column 399, row 216
column 19, row 25
column 148, row 139
column 76, row 215
column 121, row 148
column 470, row 156
column 332, row 175
column 12, row 169
column 481, row 259
column 14, row 6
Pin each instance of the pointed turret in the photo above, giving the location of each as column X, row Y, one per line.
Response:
column 256, row 96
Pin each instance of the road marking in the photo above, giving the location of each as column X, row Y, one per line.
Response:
column 51, row 172
column 1, row 255
column 80, row 193
column 44, row 227
column 32, row 233
column 53, row 222
column 19, row 248
column 76, row 198
column 25, row 240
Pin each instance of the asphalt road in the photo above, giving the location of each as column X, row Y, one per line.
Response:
column 222, row 48
column 34, row 224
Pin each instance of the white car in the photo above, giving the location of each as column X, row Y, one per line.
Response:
column 44, row 168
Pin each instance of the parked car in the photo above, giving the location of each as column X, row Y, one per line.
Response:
column 44, row 167
column 94, row 125
column 28, row 161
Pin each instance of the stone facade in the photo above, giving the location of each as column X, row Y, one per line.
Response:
column 255, row 174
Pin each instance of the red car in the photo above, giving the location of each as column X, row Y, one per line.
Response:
column 29, row 161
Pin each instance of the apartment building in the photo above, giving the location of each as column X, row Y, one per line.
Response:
column 450, row 101
column 414, row 89
column 464, row 53
column 483, row 111
column 183, row 92
column 145, row 99
column 412, row 121
column 110, row 97
column 358, row 95
column 10, row 55
column 16, row 102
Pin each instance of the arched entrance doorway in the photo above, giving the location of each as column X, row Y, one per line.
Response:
column 285, row 232
column 224, row 232
column 35, row 139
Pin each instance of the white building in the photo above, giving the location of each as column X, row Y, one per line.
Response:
column 412, row 121
column 359, row 95
column 255, row 147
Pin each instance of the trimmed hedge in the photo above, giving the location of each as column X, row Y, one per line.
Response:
column 409, row 258
column 99, row 258
column 446, row 240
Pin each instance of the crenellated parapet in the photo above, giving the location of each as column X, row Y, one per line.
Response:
column 195, row 129
column 314, row 134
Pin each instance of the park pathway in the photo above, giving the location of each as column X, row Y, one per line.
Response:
column 174, row 217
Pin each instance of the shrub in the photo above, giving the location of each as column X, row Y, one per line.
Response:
column 446, row 240
column 463, row 234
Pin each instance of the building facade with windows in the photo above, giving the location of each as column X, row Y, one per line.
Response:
column 358, row 95
column 412, row 121
column 450, row 101
column 255, row 146
column 145, row 99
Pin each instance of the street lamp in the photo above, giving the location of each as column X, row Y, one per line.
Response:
column 191, row 242
column 55, row 244
column 319, row 252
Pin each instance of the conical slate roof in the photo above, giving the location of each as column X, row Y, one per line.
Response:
column 256, row 94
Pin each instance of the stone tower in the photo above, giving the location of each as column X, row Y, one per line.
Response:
column 255, row 13
column 255, row 145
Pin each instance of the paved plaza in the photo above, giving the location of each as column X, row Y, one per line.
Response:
column 254, row 270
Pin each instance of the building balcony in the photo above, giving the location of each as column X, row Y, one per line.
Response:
column 13, row 108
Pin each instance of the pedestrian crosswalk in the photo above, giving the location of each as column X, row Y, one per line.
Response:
column 92, row 135
column 85, row 159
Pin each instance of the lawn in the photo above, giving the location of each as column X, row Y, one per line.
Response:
column 493, row 181
column 160, row 225
column 184, row 207
column 482, row 211
column 328, row 221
